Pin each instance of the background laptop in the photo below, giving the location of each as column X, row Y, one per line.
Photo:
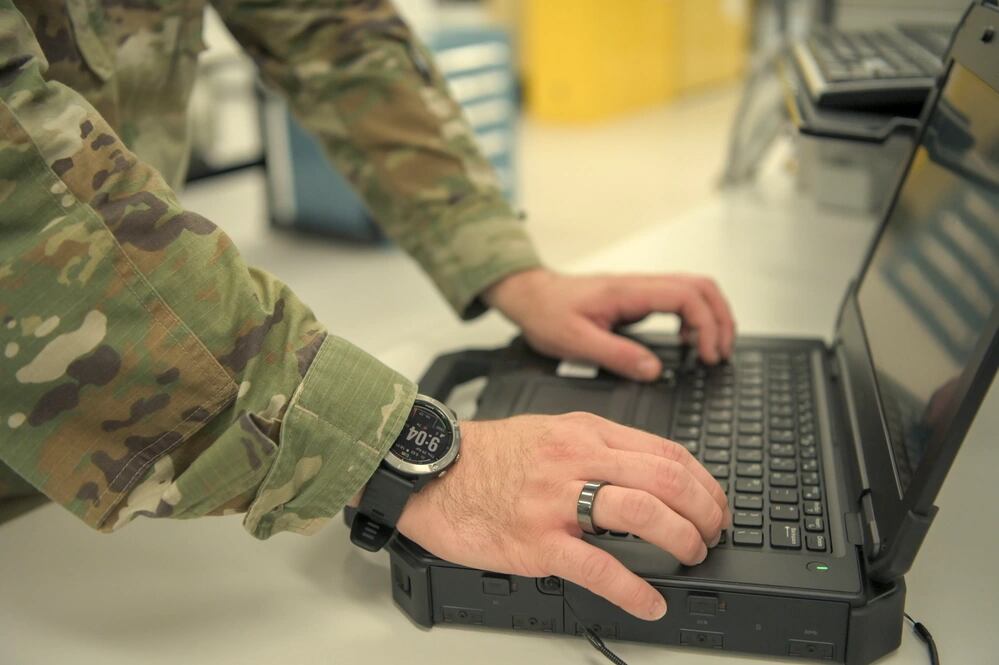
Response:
column 831, row 457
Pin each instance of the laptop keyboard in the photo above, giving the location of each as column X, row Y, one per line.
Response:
column 751, row 423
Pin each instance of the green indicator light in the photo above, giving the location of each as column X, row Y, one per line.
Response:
column 823, row 567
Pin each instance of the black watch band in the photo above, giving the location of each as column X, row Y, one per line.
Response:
column 423, row 450
column 381, row 505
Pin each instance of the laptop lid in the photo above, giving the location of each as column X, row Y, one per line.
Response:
column 918, row 334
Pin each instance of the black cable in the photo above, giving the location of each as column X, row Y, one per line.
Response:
column 593, row 638
column 924, row 634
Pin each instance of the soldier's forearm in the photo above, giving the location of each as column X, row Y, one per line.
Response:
column 357, row 77
column 146, row 369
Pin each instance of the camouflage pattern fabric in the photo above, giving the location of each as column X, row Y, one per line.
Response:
column 144, row 368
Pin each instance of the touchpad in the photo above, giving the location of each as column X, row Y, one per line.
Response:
column 565, row 396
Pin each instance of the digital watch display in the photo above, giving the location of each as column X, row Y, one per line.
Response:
column 426, row 438
column 426, row 446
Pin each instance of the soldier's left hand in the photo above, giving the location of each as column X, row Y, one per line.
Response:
column 574, row 317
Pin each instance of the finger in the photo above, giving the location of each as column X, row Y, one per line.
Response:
column 618, row 354
column 634, row 511
column 630, row 439
column 641, row 296
column 721, row 309
column 670, row 482
column 596, row 570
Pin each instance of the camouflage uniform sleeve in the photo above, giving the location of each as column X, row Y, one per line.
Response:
column 145, row 370
column 357, row 78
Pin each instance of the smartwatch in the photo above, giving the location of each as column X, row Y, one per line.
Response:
column 424, row 450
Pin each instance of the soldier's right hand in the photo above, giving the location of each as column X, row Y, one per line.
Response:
column 509, row 504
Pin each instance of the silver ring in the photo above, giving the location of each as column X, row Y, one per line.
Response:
column 584, row 507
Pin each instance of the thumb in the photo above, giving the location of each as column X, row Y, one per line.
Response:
column 617, row 354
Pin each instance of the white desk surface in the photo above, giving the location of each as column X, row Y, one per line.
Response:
column 206, row 592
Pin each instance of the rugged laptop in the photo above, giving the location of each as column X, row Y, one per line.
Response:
column 831, row 456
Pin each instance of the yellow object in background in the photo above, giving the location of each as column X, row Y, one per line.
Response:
column 587, row 60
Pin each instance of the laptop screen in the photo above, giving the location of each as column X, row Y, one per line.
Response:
column 932, row 284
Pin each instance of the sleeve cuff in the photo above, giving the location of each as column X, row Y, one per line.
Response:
column 338, row 426
column 475, row 255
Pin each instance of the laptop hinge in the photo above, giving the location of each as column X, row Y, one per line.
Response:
column 871, row 537
column 896, row 557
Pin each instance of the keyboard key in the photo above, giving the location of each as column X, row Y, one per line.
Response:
column 718, row 442
column 781, row 436
column 720, row 403
column 811, row 478
column 808, row 452
column 718, row 470
column 723, row 538
column 751, row 415
column 784, row 511
column 781, row 410
column 747, row 537
column 783, row 495
column 724, row 485
column 810, row 465
column 691, row 406
column 753, row 441
column 782, row 450
column 692, row 446
column 749, row 486
column 785, row 536
column 720, row 415
column 812, row 508
column 719, row 428
column 686, row 432
column 751, row 403
column 811, row 493
column 780, row 479
column 689, row 419
column 814, row 524
column 815, row 542
column 748, row 502
column 781, row 422
column 749, row 470
column 783, row 464
column 717, row 456
column 749, row 455
column 750, row 428
column 746, row 518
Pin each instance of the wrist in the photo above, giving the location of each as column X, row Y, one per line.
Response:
column 516, row 288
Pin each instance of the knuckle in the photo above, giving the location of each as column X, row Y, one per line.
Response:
column 583, row 418
column 547, row 553
column 689, row 544
column 672, row 478
column 614, row 288
column 672, row 450
column 595, row 569
column 640, row 509
column 557, row 450
column 716, row 520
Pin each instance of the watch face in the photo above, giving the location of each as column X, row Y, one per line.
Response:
column 426, row 437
